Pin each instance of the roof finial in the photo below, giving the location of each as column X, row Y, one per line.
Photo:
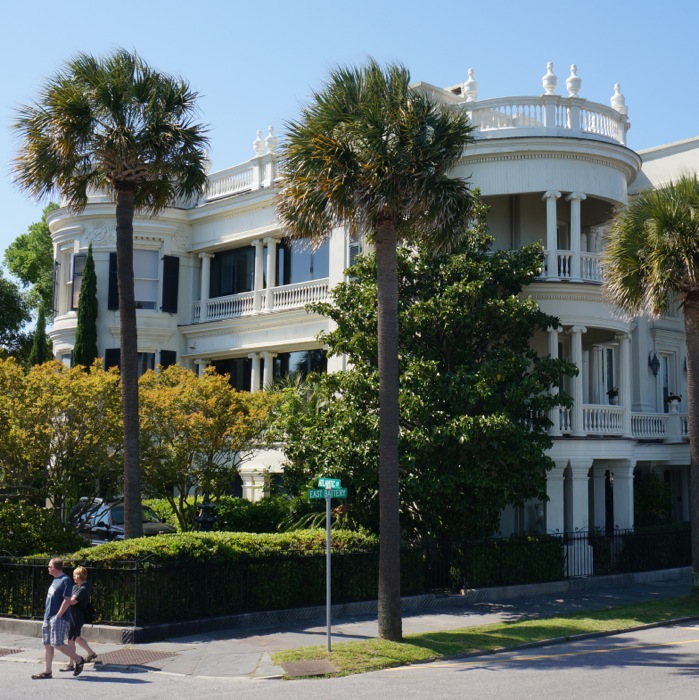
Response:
column 618, row 102
column 549, row 81
column 573, row 82
column 258, row 144
column 470, row 87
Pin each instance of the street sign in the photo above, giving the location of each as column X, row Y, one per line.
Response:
column 329, row 483
column 322, row 493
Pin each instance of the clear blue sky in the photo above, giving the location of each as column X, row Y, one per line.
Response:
column 254, row 64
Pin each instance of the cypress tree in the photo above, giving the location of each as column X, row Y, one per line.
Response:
column 85, row 348
column 39, row 352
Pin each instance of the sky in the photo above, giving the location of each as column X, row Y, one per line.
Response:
column 255, row 64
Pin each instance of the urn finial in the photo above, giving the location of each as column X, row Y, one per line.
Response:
column 549, row 81
column 573, row 82
column 271, row 141
column 258, row 144
column 618, row 101
column 470, row 87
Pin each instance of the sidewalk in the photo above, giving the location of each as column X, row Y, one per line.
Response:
column 245, row 653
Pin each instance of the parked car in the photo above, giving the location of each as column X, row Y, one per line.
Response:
column 102, row 521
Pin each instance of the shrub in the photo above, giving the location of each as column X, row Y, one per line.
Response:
column 30, row 530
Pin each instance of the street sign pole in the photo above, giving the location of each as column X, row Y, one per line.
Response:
column 328, row 579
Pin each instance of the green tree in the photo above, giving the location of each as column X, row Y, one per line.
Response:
column 30, row 258
column 651, row 262
column 40, row 351
column 85, row 348
column 195, row 432
column 375, row 153
column 14, row 313
column 60, row 433
column 474, row 394
column 117, row 125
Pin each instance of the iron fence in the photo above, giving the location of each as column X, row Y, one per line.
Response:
column 148, row 592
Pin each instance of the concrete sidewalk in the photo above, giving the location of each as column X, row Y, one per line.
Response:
column 245, row 653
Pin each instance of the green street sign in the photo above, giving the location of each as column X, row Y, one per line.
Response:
column 326, row 483
column 322, row 493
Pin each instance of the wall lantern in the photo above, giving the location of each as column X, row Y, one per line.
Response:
column 654, row 363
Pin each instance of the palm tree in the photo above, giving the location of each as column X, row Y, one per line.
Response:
column 374, row 153
column 116, row 125
column 651, row 261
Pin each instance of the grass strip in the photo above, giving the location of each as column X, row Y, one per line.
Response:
column 375, row 654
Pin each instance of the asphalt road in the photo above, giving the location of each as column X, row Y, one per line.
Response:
column 643, row 665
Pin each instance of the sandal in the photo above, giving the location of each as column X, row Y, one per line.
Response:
column 89, row 658
column 69, row 667
column 79, row 667
column 38, row 676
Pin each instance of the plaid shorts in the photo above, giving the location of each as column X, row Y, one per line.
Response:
column 54, row 631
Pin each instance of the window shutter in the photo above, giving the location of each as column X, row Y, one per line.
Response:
column 112, row 357
column 113, row 297
column 167, row 358
column 56, row 272
column 171, row 281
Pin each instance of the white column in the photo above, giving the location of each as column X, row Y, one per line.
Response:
column 271, row 271
column 254, row 372
column 623, row 494
column 555, row 413
column 624, row 340
column 204, row 284
column 268, row 377
column 576, row 357
column 577, row 513
column 599, row 488
column 554, row 491
column 258, row 283
column 200, row 366
column 551, row 233
column 575, row 230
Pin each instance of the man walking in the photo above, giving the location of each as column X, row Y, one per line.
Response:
column 56, row 621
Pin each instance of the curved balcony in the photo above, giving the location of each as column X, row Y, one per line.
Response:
column 547, row 115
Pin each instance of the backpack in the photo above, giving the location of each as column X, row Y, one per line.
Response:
column 89, row 612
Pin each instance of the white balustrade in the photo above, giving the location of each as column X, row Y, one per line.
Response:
column 590, row 267
column 287, row 296
column 565, row 420
column 546, row 112
column 294, row 295
column 233, row 180
column 564, row 265
column 649, row 425
column 603, row 420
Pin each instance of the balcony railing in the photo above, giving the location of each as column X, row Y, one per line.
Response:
column 255, row 174
column 609, row 420
column 589, row 266
column 550, row 115
column 288, row 296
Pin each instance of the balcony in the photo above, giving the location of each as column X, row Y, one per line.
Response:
column 547, row 115
column 284, row 297
column 571, row 266
column 608, row 421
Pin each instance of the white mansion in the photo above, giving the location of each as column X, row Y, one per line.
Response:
column 216, row 283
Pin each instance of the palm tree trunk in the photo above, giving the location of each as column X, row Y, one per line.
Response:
column 389, row 611
column 691, row 328
column 133, row 519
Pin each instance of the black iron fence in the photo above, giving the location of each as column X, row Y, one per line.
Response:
column 150, row 592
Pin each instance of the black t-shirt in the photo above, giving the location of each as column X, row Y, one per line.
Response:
column 82, row 592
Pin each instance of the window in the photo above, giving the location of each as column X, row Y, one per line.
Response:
column 78, row 263
column 146, row 360
column 239, row 370
column 668, row 378
column 232, row 272
column 297, row 262
column 298, row 365
column 145, row 272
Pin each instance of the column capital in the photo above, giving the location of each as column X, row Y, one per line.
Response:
column 259, row 242
column 580, row 196
column 551, row 194
column 205, row 255
column 555, row 329
column 253, row 355
column 268, row 355
column 577, row 329
column 580, row 466
column 623, row 336
column 271, row 240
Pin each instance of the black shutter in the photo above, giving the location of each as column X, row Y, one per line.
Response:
column 113, row 297
column 171, row 283
column 112, row 357
column 167, row 358
column 56, row 272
